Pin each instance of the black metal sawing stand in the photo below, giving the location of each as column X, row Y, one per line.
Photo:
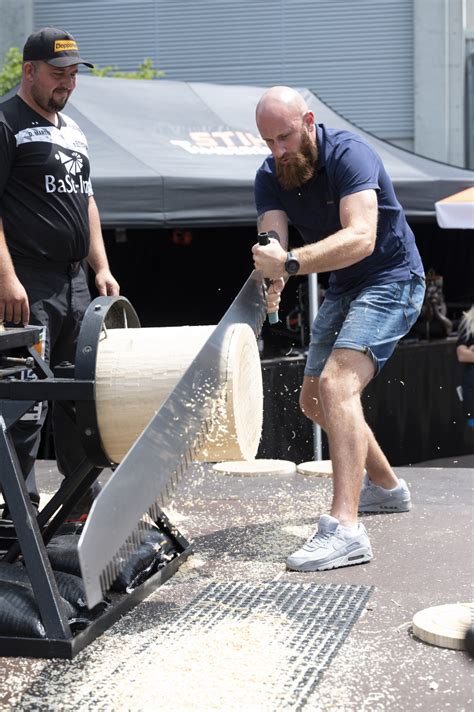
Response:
column 33, row 532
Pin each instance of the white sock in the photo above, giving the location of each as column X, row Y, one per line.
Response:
column 350, row 530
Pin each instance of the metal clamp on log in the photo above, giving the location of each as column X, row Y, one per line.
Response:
column 54, row 636
column 216, row 389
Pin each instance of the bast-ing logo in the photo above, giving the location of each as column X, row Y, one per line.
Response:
column 73, row 166
column 223, row 143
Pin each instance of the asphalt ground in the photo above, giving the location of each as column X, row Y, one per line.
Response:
column 242, row 528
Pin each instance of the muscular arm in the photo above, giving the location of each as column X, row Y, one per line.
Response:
column 351, row 244
column 465, row 353
column 97, row 257
column 275, row 222
column 14, row 304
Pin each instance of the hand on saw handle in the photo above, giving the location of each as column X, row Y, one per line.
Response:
column 274, row 290
column 263, row 260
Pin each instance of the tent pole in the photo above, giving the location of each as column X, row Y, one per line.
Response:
column 313, row 298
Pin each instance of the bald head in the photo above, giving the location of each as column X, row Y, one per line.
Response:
column 286, row 124
column 281, row 100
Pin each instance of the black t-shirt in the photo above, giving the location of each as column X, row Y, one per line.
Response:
column 467, row 340
column 44, row 185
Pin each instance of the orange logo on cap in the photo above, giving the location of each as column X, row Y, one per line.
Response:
column 64, row 45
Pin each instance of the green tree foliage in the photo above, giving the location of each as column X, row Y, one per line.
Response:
column 10, row 74
column 144, row 71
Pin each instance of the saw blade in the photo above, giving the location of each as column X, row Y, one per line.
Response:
column 145, row 479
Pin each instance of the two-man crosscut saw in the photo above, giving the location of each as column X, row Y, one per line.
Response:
column 144, row 480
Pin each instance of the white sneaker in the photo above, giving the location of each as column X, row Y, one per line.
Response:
column 378, row 500
column 331, row 546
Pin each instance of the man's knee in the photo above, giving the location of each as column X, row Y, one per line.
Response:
column 345, row 375
column 338, row 391
column 310, row 402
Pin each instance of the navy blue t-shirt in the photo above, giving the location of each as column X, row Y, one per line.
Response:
column 346, row 164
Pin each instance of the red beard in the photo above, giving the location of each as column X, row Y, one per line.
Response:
column 298, row 167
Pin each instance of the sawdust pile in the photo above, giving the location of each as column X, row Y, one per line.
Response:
column 234, row 665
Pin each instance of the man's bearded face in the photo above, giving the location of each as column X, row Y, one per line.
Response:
column 295, row 169
column 52, row 86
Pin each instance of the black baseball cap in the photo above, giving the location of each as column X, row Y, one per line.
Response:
column 53, row 46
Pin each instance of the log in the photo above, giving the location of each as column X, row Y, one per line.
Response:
column 137, row 370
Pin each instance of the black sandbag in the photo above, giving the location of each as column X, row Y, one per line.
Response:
column 7, row 535
column 26, row 622
column 16, row 573
column 62, row 553
column 155, row 551
column 70, row 587
column 19, row 614
column 13, row 572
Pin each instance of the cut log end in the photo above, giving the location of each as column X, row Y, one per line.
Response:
column 137, row 369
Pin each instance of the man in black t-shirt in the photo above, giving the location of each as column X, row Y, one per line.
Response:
column 49, row 224
column 465, row 355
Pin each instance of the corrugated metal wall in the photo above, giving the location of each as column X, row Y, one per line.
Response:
column 357, row 55
column 110, row 32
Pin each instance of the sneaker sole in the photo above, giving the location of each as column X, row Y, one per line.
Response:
column 384, row 508
column 360, row 556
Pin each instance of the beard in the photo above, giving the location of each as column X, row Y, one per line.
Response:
column 57, row 104
column 298, row 167
column 50, row 103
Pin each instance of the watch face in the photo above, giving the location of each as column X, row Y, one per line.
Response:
column 292, row 265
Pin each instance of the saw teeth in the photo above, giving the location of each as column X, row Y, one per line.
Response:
column 190, row 436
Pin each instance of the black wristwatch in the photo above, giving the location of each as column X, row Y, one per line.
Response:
column 291, row 265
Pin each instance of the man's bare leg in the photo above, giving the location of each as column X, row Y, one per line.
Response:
column 339, row 539
column 345, row 375
column 334, row 402
column 377, row 465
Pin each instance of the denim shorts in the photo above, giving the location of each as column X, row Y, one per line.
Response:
column 371, row 321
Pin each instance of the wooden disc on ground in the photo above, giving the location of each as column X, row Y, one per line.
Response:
column 445, row 626
column 137, row 370
column 256, row 467
column 320, row 468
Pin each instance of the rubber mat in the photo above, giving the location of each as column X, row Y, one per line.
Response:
column 233, row 646
column 308, row 622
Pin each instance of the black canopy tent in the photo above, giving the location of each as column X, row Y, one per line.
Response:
column 183, row 155
column 168, row 153
column 174, row 154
